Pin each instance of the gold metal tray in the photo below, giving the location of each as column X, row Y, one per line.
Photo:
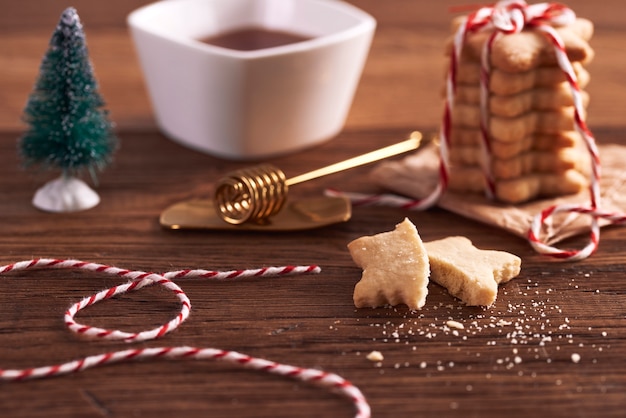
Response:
column 296, row 215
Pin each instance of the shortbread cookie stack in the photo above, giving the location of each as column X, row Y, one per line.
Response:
column 534, row 148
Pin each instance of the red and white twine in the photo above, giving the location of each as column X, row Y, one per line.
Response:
column 508, row 17
column 140, row 279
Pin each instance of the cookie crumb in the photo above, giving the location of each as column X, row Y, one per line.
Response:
column 455, row 324
column 375, row 356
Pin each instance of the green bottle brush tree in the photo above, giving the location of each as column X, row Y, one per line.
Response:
column 69, row 129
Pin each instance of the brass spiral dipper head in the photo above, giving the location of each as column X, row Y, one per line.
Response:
column 255, row 194
column 251, row 194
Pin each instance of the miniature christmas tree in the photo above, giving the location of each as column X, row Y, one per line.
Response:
column 68, row 126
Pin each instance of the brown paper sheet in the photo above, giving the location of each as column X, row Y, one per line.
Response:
column 417, row 174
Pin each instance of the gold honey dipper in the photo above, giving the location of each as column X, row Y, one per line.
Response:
column 255, row 194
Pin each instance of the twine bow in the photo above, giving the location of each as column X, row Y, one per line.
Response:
column 512, row 16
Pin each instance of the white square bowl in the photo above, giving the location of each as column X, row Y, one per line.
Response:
column 255, row 104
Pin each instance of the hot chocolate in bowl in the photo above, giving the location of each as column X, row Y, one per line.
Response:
column 253, row 38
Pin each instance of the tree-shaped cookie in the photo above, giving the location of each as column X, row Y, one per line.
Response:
column 69, row 128
column 395, row 268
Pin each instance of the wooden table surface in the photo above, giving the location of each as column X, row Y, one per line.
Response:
column 512, row 359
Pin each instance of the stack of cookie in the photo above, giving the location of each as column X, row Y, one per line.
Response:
column 535, row 148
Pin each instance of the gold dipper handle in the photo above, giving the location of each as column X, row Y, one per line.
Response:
column 370, row 157
column 255, row 194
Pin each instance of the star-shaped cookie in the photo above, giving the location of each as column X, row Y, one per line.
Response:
column 469, row 273
column 395, row 268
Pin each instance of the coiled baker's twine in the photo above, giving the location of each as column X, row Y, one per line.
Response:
column 140, row 279
column 507, row 17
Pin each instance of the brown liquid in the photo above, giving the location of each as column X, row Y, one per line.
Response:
column 252, row 38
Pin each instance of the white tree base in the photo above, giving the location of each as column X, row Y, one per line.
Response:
column 65, row 194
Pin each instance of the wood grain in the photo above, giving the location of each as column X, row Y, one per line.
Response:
column 513, row 359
